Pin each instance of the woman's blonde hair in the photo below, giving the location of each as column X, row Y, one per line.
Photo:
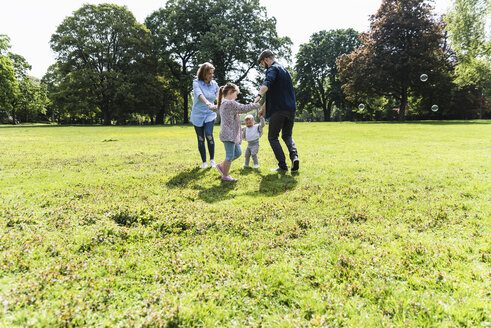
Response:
column 203, row 70
column 224, row 90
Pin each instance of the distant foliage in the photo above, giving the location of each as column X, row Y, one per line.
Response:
column 22, row 98
column 405, row 40
column 466, row 25
column 229, row 34
column 104, row 58
column 316, row 74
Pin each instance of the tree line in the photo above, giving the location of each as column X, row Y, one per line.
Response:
column 111, row 69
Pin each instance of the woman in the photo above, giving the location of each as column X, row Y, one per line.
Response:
column 205, row 91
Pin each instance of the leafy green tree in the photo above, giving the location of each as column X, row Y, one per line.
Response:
column 317, row 81
column 9, row 87
column 32, row 99
column 229, row 34
column 170, row 100
column 177, row 30
column 404, row 41
column 22, row 96
column 233, row 47
column 99, row 51
column 466, row 25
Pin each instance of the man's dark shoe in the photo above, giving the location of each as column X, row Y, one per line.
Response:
column 279, row 169
column 295, row 164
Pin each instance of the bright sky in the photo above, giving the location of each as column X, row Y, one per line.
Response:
column 30, row 23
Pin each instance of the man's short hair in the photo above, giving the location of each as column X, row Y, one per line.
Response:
column 265, row 54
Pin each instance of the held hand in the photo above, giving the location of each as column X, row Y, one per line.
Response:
column 258, row 99
column 260, row 113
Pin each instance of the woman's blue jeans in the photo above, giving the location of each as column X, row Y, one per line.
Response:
column 206, row 132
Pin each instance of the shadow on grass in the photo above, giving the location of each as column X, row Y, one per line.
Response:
column 429, row 122
column 275, row 183
column 185, row 178
column 247, row 170
column 271, row 185
column 218, row 193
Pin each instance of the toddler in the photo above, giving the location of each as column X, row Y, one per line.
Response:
column 230, row 126
column 251, row 133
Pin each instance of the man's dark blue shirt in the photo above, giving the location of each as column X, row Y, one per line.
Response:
column 280, row 95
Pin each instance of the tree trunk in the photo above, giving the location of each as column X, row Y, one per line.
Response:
column 107, row 117
column 184, row 95
column 159, row 118
column 327, row 111
column 13, row 116
column 402, row 106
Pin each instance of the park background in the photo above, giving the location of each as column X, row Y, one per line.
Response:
column 111, row 69
column 106, row 219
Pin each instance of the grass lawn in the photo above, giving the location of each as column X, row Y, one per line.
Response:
column 385, row 225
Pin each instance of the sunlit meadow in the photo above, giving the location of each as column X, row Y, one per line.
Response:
column 385, row 225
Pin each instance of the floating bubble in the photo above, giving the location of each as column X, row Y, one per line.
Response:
column 423, row 77
column 361, row 106
column 434, row 108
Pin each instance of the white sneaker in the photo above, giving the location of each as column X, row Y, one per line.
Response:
column 256, row 166
column 245, row 165
column 204, row 165
column 212, row 163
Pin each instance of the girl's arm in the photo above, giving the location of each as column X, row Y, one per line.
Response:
column 239, row 108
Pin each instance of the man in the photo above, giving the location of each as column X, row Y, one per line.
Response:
column 280, row 109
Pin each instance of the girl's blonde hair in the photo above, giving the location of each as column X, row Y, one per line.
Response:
column 224, row 90
column 203, row 70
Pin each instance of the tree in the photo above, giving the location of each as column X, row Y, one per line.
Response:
column 318, row 85
column 9, row 87
column 404, row 41
column 239, row 31
column 99, row 50
column 32, row 100
column 229, row 34
column 20, row 95
column 466, row 25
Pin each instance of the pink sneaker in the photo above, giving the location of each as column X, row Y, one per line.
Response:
column 220, row 169
column 228, row 178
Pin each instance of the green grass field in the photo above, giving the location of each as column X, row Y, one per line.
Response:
column 385, row 225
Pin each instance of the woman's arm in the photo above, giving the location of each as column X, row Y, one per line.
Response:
column 198, row 93
column 203, row 99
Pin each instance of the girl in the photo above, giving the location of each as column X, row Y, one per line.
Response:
column 230, row 126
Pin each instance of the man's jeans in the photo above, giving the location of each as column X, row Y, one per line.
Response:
column 282, row 121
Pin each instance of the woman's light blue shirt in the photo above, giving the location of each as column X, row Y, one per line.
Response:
column 200, row 113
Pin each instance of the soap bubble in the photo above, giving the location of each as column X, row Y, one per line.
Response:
column 434, row 108
column 361, row 106
column 423, row 77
